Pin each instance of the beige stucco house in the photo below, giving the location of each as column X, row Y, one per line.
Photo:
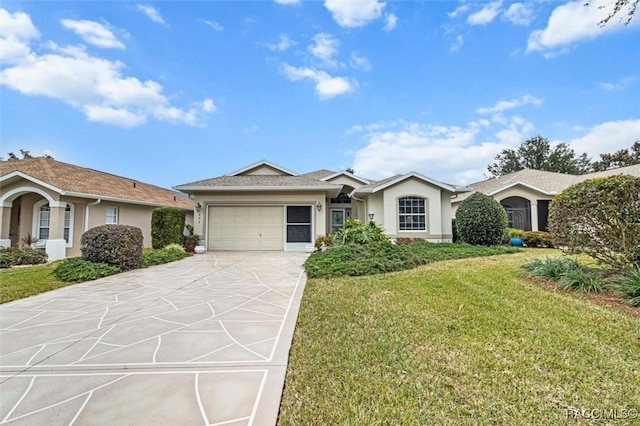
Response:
column 56, row 202
column 267, row 207
column 526, row 194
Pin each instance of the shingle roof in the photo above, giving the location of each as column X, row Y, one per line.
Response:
column 256, row 181
column 547, row 182
column 319, row 174
column 76, row 180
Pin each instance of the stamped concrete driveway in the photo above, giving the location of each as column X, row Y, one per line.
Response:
column 200, row 341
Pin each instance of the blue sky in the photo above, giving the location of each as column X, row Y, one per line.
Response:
column 172, row 92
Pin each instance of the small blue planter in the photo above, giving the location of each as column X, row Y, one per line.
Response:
column 515, row 241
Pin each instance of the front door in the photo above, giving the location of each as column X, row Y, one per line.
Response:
column 337, row 219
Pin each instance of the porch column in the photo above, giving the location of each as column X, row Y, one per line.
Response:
column 534, row 216
column 56, row 246
column 5, row 226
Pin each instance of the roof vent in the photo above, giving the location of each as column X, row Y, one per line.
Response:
column 174, row 198
column 134, row 184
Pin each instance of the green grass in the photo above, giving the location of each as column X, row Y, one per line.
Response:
column 19, row 282
column 460, row 342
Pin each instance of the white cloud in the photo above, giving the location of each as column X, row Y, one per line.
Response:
column 621, row 84
column 93, row 33
column 519, row 14
column 607, row 137
column 15, row 33
column 359, row 62
column 96, row 86
column 151, row 12
column 213, row 24
column 116, row 116
column 283, row 44
column 390, row 22
column 570, row 23
column 326, row 86
column 325, row 48
column 486, row 14
column 287, row 2
column 502, row 106
column 354, row 13
column 457, row 43
column 464, row 8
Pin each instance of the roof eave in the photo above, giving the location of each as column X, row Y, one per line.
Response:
column 20, row 174
column 115, row 199
column 203, row 188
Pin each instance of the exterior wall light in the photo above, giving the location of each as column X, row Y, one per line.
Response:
column 371, row 216
column 319, row 206
column 198, row 207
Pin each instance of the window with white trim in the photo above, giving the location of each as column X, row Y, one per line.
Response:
column 412, row 214
column 111, row 216
column 42, row 222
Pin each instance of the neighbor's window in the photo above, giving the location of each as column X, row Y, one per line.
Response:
column 412, row 214
column 112, row 216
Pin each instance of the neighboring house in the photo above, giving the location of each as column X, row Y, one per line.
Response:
column 266, row 207
column 526, row 194
column 56, row 202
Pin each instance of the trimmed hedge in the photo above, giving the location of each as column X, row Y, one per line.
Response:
column 12, row 256
column 481, row 220
column 161, row 256
column 167, row 224
column 117, row 245
column 537, row 239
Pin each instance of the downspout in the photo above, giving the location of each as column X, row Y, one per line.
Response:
column 86, row 213
column 366, row 207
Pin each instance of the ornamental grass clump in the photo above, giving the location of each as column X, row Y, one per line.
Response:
column 627, row 285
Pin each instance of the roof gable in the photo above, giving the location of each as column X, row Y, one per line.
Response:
column 346, row 178
column 394, row 180
column 263, row 168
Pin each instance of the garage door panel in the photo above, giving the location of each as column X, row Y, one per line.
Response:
column 246, row 228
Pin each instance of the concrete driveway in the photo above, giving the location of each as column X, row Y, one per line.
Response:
column 200, row 341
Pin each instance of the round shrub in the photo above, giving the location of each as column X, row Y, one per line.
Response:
column 117, row 245
column 12, row 256
column 481, row 220
column 601, row 218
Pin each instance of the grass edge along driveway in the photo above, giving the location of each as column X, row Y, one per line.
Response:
column 458, row 342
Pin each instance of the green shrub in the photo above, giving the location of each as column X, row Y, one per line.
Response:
column 627, row 285
column 12, row 256
column 176, row 247
column 515, row 233
column 537, row 239
column 191, row 242
column 167, row 224
column 601, row 218
column 550, row 268
column 77, row 269
column 454, row 232
column 355, row 232
column 117, row 245
column 381, row 257
column 580, row 279
column 481, row 220
column 152, row 257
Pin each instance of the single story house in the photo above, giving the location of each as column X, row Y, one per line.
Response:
column 526, row 194
column 264, row 206
column 56, row 202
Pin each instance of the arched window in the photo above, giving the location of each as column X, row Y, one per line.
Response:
column 412, row 214
column 42, row 222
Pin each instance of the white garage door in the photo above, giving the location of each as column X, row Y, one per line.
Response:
column 246, row 228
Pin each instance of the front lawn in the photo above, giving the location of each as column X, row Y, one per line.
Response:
column 458, row 342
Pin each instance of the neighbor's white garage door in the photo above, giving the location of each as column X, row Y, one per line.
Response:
column 246, row 228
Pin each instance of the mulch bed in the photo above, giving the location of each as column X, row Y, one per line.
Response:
column 605, row 299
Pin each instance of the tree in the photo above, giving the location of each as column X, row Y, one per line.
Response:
column 481, row 220
column 25, row 154
column 621, row 158
column 601, row 218
column 619, row 6
column 537, row 153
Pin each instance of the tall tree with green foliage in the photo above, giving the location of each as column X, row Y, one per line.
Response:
column 621, row 158
column 537, row 153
